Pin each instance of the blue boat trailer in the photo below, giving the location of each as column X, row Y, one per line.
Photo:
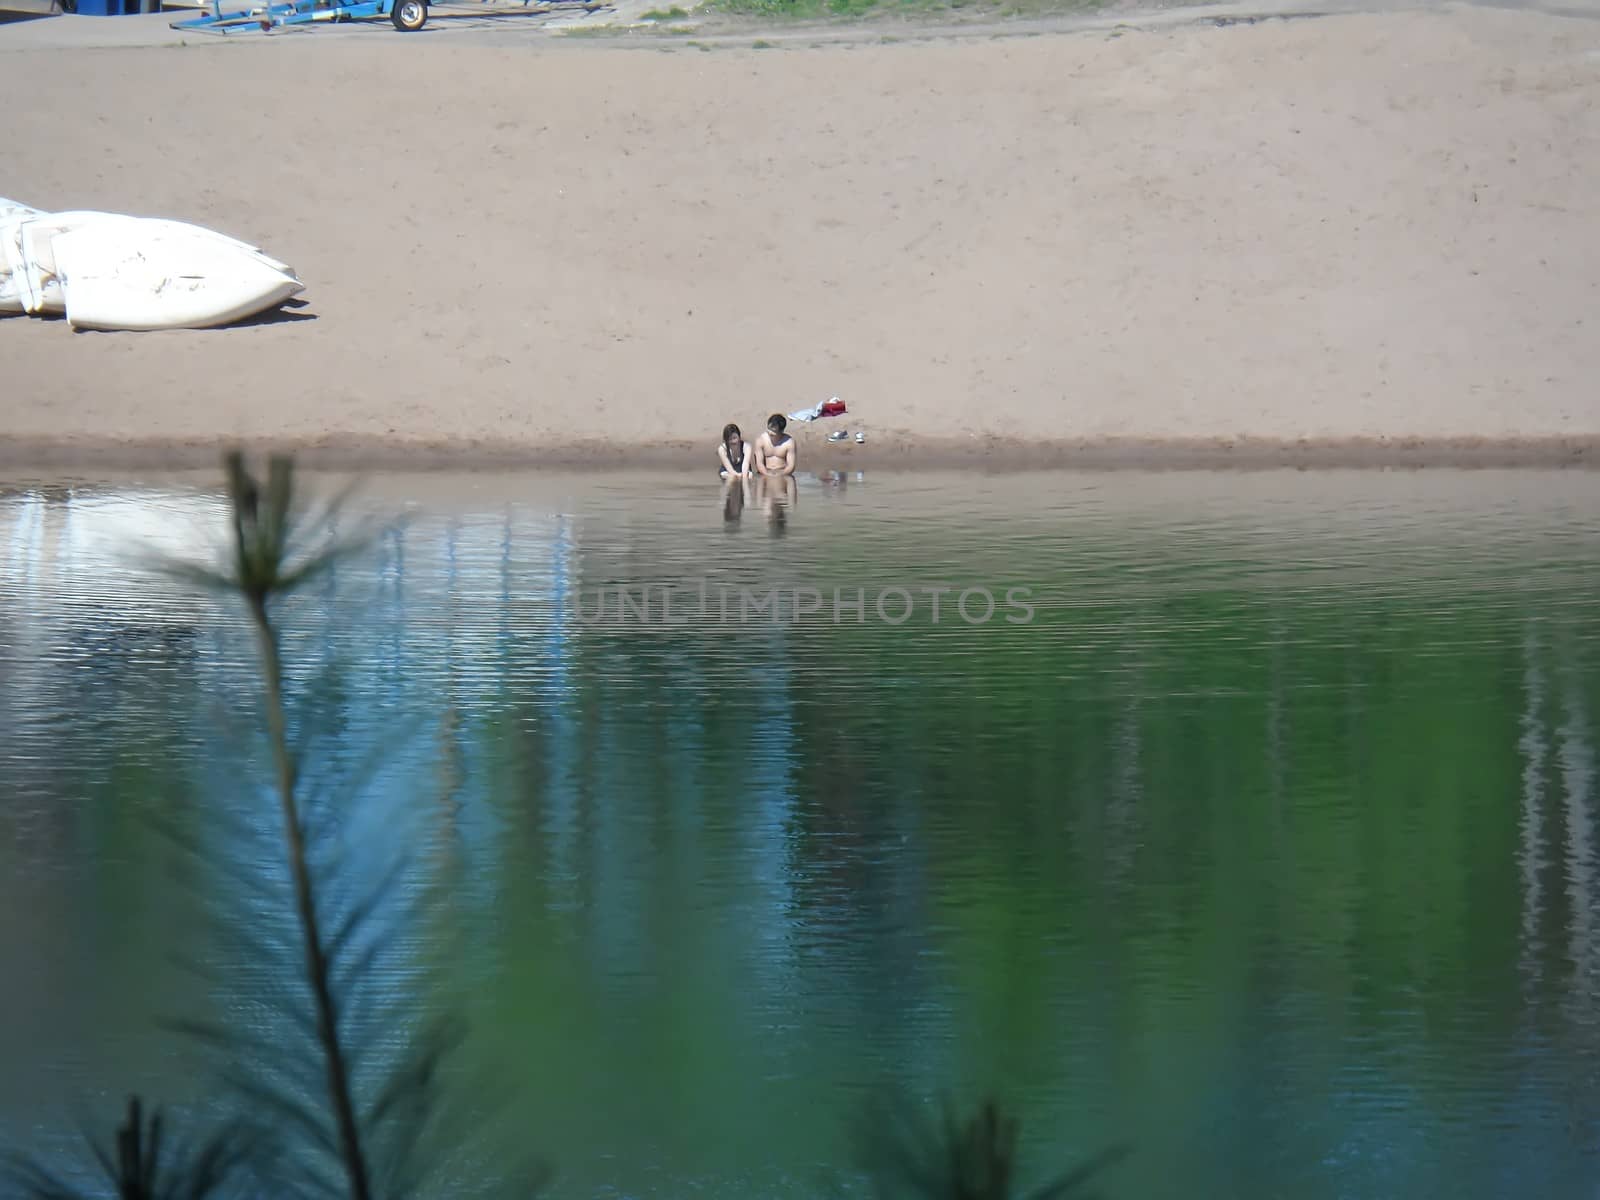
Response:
column 408, row 16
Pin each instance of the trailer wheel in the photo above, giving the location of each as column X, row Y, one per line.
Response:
column 409, row 15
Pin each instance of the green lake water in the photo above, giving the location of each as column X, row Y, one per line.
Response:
column 1257, row 832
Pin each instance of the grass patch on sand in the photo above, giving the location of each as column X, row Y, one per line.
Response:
column 664, row 14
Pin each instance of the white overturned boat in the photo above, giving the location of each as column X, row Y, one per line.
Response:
column 109, row 271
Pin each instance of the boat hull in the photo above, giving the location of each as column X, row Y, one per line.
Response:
column 107, row 271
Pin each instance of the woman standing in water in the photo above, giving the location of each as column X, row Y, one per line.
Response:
column 734, row 454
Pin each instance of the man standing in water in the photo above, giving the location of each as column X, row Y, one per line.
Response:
column 775, row 448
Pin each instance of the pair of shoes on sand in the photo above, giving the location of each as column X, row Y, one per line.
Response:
column 841, row 435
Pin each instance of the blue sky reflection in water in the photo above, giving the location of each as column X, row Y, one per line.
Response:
column 1267, row 843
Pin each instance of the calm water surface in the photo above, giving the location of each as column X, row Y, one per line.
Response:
column 1265, row 843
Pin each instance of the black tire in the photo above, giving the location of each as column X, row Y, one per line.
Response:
column 409, row 15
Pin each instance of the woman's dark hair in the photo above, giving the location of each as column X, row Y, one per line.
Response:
column 728, row 431
column 777, row 422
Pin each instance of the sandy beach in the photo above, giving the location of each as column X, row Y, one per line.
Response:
column 1359, row 235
